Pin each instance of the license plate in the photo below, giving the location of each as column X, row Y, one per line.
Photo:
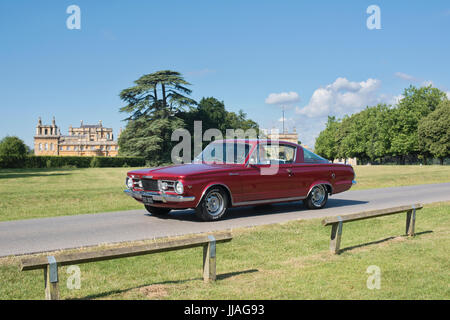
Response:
column 147, row 200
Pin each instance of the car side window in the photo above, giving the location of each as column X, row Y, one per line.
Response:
column 273, row 154
column 311, row 157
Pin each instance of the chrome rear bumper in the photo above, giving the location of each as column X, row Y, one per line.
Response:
column 164, row 197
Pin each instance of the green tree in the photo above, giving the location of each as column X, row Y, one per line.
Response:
column 343, row 147
column 416, row 104
column 13, row 147
column 12, row 152
column 374, row 131
column 153, row 104
column 149, row 138
column 158, row 95
column 213, row 114
column 326, row 144
column 434, row 132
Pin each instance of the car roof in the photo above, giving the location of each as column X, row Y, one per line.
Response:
column 254, row 141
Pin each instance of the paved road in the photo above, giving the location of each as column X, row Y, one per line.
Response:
column 47, row 234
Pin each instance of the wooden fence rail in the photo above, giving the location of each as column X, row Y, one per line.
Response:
column 337, row 222
column 50, row 264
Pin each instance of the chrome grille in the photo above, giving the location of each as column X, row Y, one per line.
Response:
column 150, row 184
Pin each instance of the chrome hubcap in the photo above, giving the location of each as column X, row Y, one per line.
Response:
column 214, row 203
column 318, row 194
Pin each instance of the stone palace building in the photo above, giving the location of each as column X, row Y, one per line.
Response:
column 86, row 140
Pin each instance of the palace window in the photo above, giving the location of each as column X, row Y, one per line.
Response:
column 40, row 146
column 46, row 146
column 51, row 146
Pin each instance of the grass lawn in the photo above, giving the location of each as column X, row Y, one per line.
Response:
column 370, row 177
column 36, row 193
column 283, row 261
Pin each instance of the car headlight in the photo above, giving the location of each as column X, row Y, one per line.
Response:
column 179, row 188
column 129, row 182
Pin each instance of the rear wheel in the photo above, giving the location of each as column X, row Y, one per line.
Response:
column 157, row 211
column 213, row 205
column 317, row 198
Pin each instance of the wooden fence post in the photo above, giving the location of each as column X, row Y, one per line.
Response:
column 51, row 279
column 209, row 260
column 336, row 233
column 410, row 221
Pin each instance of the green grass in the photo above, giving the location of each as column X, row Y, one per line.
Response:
column 283, row 261
column 370, row 177
column 36, row 193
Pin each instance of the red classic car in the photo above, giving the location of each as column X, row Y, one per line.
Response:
column 233, row 173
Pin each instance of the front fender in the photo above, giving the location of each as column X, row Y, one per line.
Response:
column 211, row 184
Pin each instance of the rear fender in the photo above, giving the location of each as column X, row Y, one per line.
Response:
column 326, row 183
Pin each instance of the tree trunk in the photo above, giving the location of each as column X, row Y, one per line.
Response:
column 156, row 94
column 442, row 161
column 164, row 95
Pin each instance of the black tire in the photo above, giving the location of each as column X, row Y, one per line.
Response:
column 317, row 198
column 213, row 205
column 155, row 211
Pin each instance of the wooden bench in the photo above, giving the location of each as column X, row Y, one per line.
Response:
column 337, row 222
column 50, row 264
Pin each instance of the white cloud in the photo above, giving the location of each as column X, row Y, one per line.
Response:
column 283, row 98
column 342, row 97
column 405, row 76
column 395, row 99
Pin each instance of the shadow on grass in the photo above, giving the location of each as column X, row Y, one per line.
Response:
column 379, row 241
column 219, row 277
column 30, row 173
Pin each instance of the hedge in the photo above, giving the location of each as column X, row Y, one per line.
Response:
column 70, row 161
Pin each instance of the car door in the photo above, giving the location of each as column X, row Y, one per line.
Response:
column 269, row 174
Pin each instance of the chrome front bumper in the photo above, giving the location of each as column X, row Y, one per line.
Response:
column 164, row 197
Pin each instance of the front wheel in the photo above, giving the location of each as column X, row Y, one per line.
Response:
column 213, row 205
column 155, row 211
column 317, row 198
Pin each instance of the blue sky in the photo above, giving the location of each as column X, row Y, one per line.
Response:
column 319, row 52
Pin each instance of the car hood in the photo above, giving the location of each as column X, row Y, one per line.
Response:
column 182, row 170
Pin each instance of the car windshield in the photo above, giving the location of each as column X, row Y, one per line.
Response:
column 224, row 152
